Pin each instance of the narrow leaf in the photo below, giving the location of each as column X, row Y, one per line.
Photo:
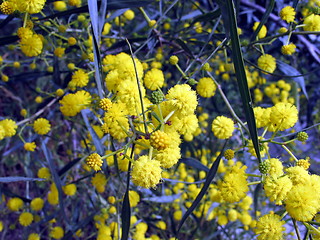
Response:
column 19, row 179
column 163, row 199
column 125, row 216
column 228, row 10
column 211, row 174
column 195, row 163
column 291, row 71
column 207, row 16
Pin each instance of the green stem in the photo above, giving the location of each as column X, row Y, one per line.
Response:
column 290, row 153
column 139, row 88
column 253, row 183
column 253, row 175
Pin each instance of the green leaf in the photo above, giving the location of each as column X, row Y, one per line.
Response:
column 207, row 16
column 195, row 163
column 228, row 10
column 211, row 174
column 291, row 71
column 19, row 179
column 68, row 166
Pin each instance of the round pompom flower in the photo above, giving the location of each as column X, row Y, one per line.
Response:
column 270, row 226
column 146, row 172
column 206, row 87
column 173, row 60
column 31, row 6
column 159, row 140
column 24, row 32
column 7, row 7
column 30, row 146
column 105, row 104
column 134, row 198
column 73, row 103
column 222, row 127
column 182, row 98
column 283, row 116
column 99, row 181
column 79, row 79
column 267, row 63
column 312, row 23
column 57, row 232
column 288, row 49
column 153, row 79
column 70, row 189
column 37, row 204
column 33, row 236
column 9, row 126
column 25, row 219
column 15, row 204
column 287, row 13
column 263, row 31
column 277, row 188
column 168, row 157
column 302, row 202
column 94, row 161
column 44, row 173
column 41, row 126
column 129, row 14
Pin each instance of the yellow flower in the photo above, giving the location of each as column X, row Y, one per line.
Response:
column 94, row 161
column 73, row 103
column 173, row 60
column 44, row 173
column 206, row 87
column 153, row 79
column 270, row 226
column 183, row 99
column 134, row 198
column 267, row 63
column 37, row 204
column 312, row 23
column 298, row 175
column 168, row 157
column 222, row 127
column 234, row 185
column 57, row 232
column 302, row 202
column 59, row 6
column 41, row 126
column 24, row 32
column 159, row 140
column 25, row 219
column 276, row 167
column 304, row 163
column 287, row 13
column 283, row 116
column 70, row 189
column 99, row 181
column 262, row 116
column 59, row 52
column 263, row 31
column 15, row 204
column 30, row 146
column 31, row 6
column 8, row 7
column 288, row 49
column 146, row 172
column 74, row 3
column 9, row 127
column 105, row 104
column 276, row 188
column 53, row 195
column 116, row 122
column 33, row 236
column 129, row 14
column 79, row 79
